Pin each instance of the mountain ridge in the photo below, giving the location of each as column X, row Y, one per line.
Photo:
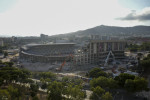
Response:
column 112, row 30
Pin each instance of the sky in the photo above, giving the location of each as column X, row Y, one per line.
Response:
column 33, row 17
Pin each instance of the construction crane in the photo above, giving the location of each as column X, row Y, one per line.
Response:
column 62, row 65
column 107, row 58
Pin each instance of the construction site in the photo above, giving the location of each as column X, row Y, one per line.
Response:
column 108, row 55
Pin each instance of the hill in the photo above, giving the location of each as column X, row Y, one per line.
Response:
column 114, row 30
column 111, row 31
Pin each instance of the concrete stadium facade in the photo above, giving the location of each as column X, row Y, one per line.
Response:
column 46, row 53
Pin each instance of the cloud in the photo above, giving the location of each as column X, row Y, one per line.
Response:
column 143, row 15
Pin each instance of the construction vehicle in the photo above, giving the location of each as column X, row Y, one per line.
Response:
column 108, row 56
column 62, row 65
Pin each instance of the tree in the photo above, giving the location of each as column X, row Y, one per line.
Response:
column 1, row 81
column 140, row 55
column 145, row 63
column 93, row 72
column 129, row 85
column 133, row 48
column 44, row 85
column 4, row 94
column 9, row 64
column 101, row 81
column 28, row 81
column 1, row 51
column 123, row 77
column 104, row 82
column 10, row 74
column 14, row 94
column 96, row 72
column 145, row 46
column 46, row 75
column 25, row 74
column 34, row 89
column 140, row 84
column 112, row 83
column 55, row 91
column 35, row 98
column 76, row 81
column 102, row 73
column 76, row 93
column 137, row 85
column 107, row 96
column 97, row 93
column 5, row 54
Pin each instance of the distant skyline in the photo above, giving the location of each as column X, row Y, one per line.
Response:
column 33, row 17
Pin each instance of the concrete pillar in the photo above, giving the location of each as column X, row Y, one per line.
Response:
column 105, row 47
column 118, row 45
column 95, row 48
column 113, row 46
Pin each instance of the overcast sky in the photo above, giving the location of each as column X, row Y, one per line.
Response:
column 33, row 17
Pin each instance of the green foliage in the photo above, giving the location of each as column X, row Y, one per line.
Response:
column 14, row 93
column 129, row 85
column 145, row 63
column 46, row 75
column 34, row 89
column 27, row 81
column 93, row 71
column 44, row 85
column 35, row 98
column 112, row 83
column 145, row 46
column 55, row 91
column 140, row 84
column 4, row 94
column 76, row 81
column 65, row 79
column 9, row 64
column 132, row 83
column 107, row 96
column 1, row 51
column 96, row 72
column 97, row 93
column 140, row 55
column 103, row 82
column 137, row 85
column 123, row 77
column 1, row 81
column 6, row 64
column 76, row 93
column 5, row 54
column 133, row 48
column 10, row 74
